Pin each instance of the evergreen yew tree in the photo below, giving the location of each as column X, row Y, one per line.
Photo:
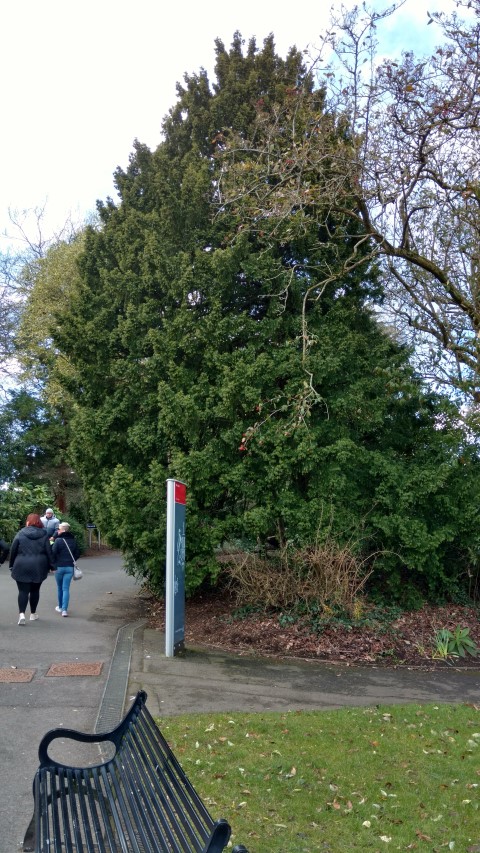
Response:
column 191, row 359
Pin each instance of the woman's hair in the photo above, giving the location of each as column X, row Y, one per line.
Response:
column 64, row 526
column 33, row 520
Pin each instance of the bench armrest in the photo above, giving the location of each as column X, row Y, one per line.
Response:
column 70, row 734
column 115, row 736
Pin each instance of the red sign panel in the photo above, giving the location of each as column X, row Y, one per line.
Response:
column 180, row 493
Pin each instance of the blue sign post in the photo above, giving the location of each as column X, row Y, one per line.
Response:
column 175, row 568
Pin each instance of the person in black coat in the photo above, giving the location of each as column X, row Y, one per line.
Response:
column 64, row 552
column 30, row 563
column 4, row 551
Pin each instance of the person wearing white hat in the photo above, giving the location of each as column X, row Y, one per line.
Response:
column 50, row 522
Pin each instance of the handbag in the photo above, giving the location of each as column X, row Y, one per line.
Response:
column 77, row 573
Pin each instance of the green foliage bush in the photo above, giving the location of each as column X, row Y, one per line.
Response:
column 18, row 501
column 77, row 529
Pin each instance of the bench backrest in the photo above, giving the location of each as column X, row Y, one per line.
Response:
column 139, row 801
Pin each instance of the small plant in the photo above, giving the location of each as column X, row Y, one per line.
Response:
column 461, row 644
column 246, row 611
column 358, row 608
column 441, row 642
column 457, row 643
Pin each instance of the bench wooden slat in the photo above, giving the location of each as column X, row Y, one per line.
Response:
column 137, row 801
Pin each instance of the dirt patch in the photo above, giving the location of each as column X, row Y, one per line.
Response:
column 212, row 621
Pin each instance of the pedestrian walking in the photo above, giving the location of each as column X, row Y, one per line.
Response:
column 50, row 523
column 64, row 552
column 4, row 551
column 30, row 563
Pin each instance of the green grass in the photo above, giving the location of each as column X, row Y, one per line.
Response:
column 373, row 779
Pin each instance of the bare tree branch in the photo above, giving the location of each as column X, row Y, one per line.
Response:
column 393, row 147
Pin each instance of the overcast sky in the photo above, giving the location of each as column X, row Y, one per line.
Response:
column 81, row 79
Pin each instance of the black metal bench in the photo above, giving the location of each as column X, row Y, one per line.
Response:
column 139, row 800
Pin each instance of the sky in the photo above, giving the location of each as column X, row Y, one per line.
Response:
column 82, row 79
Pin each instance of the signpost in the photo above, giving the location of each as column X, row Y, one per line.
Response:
column 91, row 527
column 175, row 568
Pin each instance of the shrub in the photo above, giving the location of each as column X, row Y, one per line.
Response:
column 325, row 575
column 76, row 529
column 16, row 502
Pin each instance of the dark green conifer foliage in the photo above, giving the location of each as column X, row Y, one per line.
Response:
column 33, row 441
column 186, row 338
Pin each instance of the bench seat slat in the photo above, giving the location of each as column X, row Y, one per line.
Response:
column 177, row 794
column 98, row 811
column 95, row 813
column 150, row 804
column 133, row 819
column 75, row 812
column 74, row 780
column 57, row 795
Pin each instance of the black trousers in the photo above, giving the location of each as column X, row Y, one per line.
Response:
column 28, row 592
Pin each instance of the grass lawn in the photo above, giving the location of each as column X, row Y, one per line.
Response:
column 376, row 779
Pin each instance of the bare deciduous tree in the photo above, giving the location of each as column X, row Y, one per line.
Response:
column 19, row 269
column 394, row 148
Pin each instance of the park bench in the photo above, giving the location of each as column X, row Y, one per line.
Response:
column 138, row 800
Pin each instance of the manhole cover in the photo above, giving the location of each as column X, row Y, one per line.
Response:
column 75, row 668
column 10, row 674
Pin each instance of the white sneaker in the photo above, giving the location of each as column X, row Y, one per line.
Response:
column 21, row 619
column 58, row 609
column 33, row 617
column 64, row 613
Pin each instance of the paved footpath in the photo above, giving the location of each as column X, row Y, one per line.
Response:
column 201, row 681
column 106, row 628
column 100, row 604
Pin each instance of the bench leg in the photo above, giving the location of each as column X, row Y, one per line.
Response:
column 29, row 838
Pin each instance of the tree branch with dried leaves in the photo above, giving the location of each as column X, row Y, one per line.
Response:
column 391, row 149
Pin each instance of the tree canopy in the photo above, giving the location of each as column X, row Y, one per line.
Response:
column 237, row 347
column 190, row 356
